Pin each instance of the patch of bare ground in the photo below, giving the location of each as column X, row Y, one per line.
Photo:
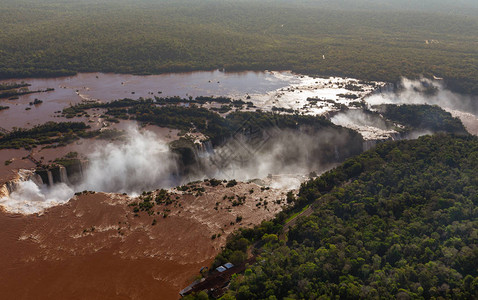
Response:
column 108, row 246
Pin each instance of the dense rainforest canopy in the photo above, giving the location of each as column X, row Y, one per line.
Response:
column 400, row 220
column 422, row 117
column 367, row 39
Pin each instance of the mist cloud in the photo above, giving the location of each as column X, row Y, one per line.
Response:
column 144, row 162
column 426, row 91
column 283, row 152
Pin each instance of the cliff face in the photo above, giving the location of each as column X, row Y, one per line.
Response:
column 68, row 172
column 50, row 176
column 270, row 151
column 369, row 144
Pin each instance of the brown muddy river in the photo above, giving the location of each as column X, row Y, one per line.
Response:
column 95, row 247
column 107, row 87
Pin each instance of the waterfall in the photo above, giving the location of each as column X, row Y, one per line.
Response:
column 203, row 149
column 74, row 173
column 81, row 170
column 4, row 192
column 50, row 178
column 23, row 175
column 63, row 175
column 83, row 166
column 387, row 88
column 27, row 194
column 9, row 187
column 396, row 136
column 208, row 146
column 369, row 144
column 37, row 179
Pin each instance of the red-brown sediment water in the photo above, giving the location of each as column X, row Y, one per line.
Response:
column 96, row 247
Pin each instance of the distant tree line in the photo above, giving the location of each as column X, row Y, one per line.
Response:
column 180, row 36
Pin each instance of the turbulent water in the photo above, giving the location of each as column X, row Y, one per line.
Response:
column 32, row 198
